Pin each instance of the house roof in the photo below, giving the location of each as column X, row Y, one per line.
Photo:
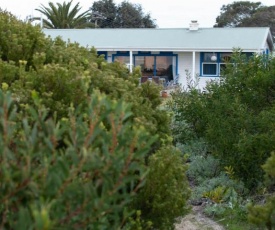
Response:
column 249, row 39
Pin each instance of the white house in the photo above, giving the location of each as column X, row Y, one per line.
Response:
column 172, row 53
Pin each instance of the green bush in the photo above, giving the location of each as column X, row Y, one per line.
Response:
column 165, row 194
column 86, row 182
column 205, row 172
column 54, row 85
column 203, row 168
column 264, row 215
column 64, row 74
column 235, row 117
column 19, row 40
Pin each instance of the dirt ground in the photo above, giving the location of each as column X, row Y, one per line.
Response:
column 196, row 220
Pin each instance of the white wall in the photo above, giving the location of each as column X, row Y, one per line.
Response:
column 109, row 59
column 186, row 67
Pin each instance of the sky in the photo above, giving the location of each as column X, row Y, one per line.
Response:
column 167, row 13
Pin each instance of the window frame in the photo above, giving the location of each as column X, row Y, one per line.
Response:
column 218, row 63
column 210, row 63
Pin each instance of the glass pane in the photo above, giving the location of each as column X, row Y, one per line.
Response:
column 164, row 67
column 146, row 64
column 225, row 57
column 209, row 69
column 123, row 59
column 210, row 57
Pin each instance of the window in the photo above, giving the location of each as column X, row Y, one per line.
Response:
column 210, row 64
column 209, row 69
column 225, row 60
column 146, row 64
column 225, row 57
column 163, row 64
column 213, row 64
column 123, row 57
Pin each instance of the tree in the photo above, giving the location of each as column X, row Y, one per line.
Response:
column 61, row 16
column 104, row 13
column 131, row 16
column 264, row 16
column 124, row 15
column 247, row 14
column 233, row 15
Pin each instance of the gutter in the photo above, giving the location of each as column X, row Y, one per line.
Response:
column 175, row 49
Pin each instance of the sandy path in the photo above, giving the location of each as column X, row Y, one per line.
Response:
column 197, row 221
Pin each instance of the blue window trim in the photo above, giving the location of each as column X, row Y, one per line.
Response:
column 201, row 60
column 165, row 53
column 123, row 52
column 216, row 62
column 144, row 52
column 105, row 53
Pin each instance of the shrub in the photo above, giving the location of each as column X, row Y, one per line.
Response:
column 76, row 173
column 62, row 77
column 165, row 194
column 203, row 168
column 264, row 215
column 19, row 40
column 206, row 174
column 234, row 117
column 64, row 74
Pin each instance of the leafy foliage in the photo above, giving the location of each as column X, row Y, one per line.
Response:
column 264, row 215
column 246, row 14
column 123, row 15
column 61, row 16
column 215, row 188
column 235, row 117
column 264, row 17
column 19, row 40
column 64, row 73
column 104, row 13
column 137, row 223
column 77, row 133
column 87, row 182
column 234, row 14
column 166, row 189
